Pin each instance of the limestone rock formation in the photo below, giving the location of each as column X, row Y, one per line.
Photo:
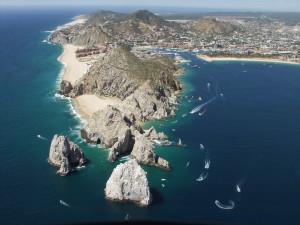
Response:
column 144, row 152
column 128, row 182
column 65, row 154
column 153, row 135
column 107, row 127
column 147, row 103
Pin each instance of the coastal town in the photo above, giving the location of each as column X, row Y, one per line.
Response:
column 247, row 36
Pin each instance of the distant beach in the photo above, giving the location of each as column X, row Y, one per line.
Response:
column 212, row 59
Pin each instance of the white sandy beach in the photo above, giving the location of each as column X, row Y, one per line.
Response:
column 85, row 105
column 212, row 59
column 73, row 69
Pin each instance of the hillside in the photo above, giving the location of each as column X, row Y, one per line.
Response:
column 89, row 35
column 210, row 26
column 102, row 16
column 119, row 73
column 141, row 22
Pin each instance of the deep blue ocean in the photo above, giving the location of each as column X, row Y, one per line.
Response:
column 250, row 133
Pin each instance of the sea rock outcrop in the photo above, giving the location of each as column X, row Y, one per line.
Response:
column 65, row 87
column 65, row 154
column 144, row 152
column 128, row 182
column 153, row 135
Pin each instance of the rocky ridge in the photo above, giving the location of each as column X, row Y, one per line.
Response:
column 80, row 34
column 65, row 155
column 128, row 182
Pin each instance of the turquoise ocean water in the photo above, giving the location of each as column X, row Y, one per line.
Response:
column 250, row 135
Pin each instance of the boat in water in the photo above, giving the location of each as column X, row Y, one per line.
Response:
column 64, row 203
column 202, row 147
column 202, row 176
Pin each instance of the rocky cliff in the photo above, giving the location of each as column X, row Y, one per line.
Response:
column 65, row 155
column 128, row 182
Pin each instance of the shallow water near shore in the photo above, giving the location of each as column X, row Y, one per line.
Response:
column 249, row 134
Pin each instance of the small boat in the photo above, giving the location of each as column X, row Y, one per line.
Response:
column 202, row 176
column 64, row 203
column 173, row 130
column 163, row 179
column 202, row 147
column 163, row 185
column 200, row 99
column 238, row 189
column 127, row 217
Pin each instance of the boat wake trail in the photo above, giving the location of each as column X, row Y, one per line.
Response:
column 203, row 105
column 202, row 176
column 230, row 205
column 201, row 113
column 64, row 203
column 41, row 137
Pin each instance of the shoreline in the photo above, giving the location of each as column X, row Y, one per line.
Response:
column 270, row 60
column 73, row 69
column 85, row 105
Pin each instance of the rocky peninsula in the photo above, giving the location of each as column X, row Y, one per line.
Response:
column 142, row 89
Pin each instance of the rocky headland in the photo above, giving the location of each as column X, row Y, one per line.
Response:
column 65, row 154
column 146, row 89
column 128, row 182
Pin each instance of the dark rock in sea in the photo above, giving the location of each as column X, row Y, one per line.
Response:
column 65, row 155
column 65, row 87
